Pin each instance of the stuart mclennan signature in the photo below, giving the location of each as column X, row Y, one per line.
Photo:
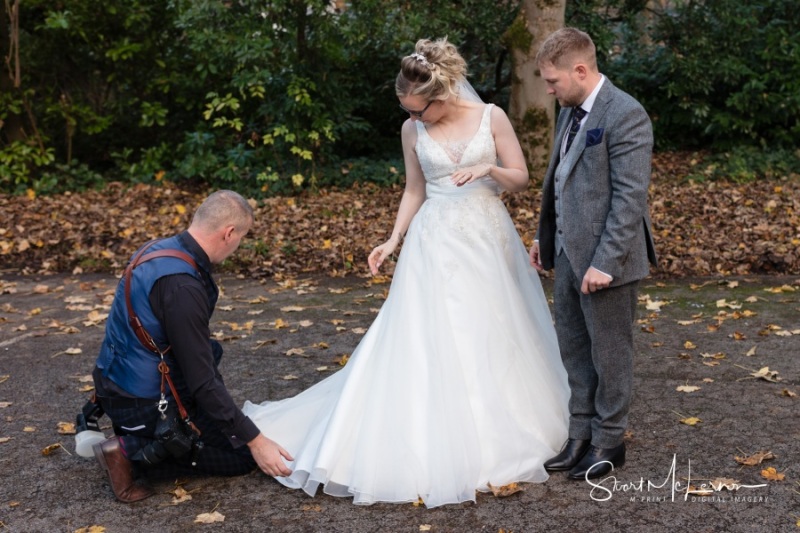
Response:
column 604, row 489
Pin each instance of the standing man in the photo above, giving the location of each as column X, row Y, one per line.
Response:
column 173, row 299
column 594, row 229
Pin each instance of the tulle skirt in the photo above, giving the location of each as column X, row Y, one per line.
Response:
column 457, row 384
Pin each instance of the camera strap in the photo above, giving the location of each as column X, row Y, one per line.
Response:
column 144, row 337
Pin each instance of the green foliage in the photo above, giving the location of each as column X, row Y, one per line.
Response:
column 301, row 87
column 715, row 74
column 18, row 161
column 278, row 97
column 103, row 74
column 262, row 97
column 749, row 163
column 384, row 172
column 198, row 157
column 268, row 118
column 256, row 247
column 607, row 21
column 63, row 177
column 144, row 165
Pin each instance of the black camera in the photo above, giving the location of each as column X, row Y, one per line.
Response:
column 174, row 437
column 87, row 419
column 87, row 428
column 153, row 453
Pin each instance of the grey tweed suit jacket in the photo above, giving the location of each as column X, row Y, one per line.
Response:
column 605, row 221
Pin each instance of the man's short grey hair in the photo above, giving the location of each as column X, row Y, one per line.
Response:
column 223, row 208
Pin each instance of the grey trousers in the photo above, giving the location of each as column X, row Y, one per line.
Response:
column 595, row 336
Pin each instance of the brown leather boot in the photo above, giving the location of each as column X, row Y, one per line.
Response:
column 120, row 472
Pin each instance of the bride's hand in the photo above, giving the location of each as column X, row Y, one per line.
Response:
column 379, row 253
column 466, row 175
column 269, row 456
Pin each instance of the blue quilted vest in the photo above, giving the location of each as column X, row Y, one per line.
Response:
column 123, row 358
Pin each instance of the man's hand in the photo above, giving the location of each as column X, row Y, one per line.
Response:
column 536, row 259
column 269, row 456
column 594, row 280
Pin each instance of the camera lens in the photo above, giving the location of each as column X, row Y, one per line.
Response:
column 154, row 453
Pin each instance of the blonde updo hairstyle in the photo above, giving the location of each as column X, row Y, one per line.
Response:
column 433, row 71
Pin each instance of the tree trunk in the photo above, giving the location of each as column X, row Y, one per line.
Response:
column 532, row 110
column 13, row 129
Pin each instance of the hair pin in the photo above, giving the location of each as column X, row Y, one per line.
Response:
column 421, row 58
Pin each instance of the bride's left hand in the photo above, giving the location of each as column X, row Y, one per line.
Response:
column 467, row 175
column 379, row 253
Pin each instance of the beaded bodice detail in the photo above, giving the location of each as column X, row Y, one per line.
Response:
column 439, row 160
column 473, row 211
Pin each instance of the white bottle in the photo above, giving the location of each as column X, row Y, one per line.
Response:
column 85, row 440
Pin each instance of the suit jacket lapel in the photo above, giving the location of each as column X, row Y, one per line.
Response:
column 561, row 130
column 601, row 102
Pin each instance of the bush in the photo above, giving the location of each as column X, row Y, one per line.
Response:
column 716, row 74
column 277, row 97
column 261, row 97
column 747, row 163
column 61, row 178
column 383, row 172
column 302, row 88
column 101, row 77
column 18, row 161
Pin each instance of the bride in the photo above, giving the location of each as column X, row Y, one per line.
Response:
column 458, row 384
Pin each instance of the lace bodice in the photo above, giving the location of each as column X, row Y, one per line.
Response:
column 439, row 161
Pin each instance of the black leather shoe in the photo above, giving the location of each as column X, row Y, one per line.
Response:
column 598, row 462
column 570, row 454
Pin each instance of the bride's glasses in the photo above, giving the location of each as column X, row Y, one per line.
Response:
column 417, row 114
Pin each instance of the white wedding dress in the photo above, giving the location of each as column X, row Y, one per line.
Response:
column 458, row 383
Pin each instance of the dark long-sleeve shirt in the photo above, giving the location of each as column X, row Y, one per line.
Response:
column 181, row 304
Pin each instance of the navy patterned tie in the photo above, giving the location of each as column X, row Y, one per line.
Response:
column 577, row 115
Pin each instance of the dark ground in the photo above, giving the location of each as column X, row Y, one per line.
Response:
column 42, row 318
